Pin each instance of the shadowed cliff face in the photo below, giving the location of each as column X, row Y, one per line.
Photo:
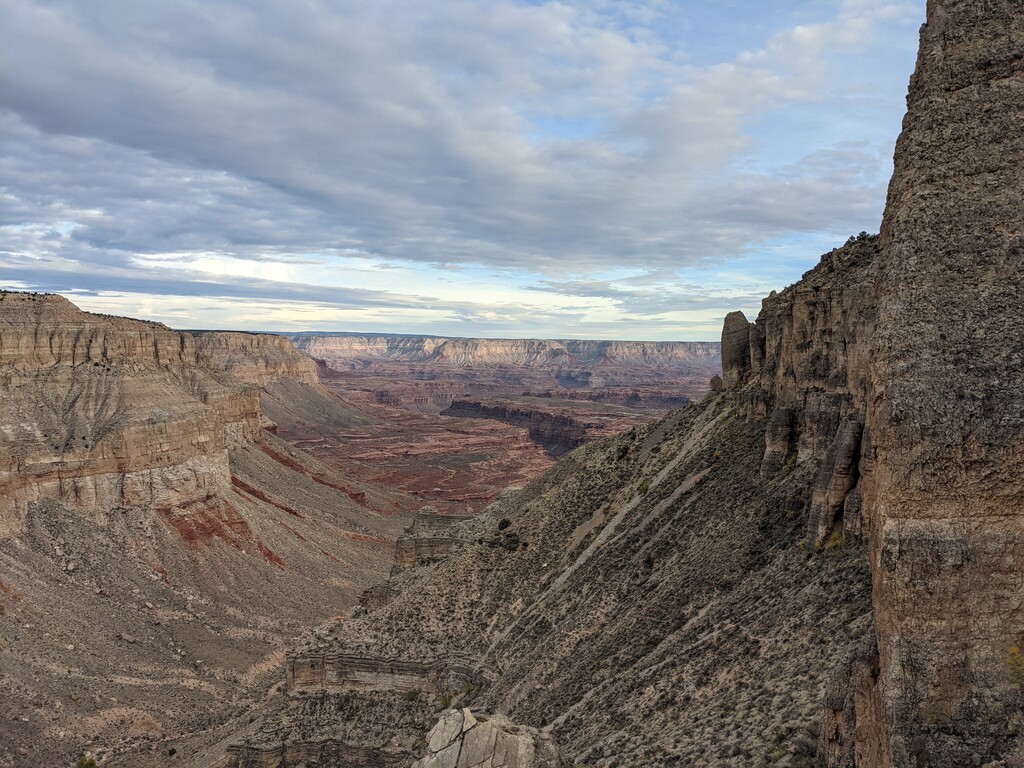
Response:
column 556, row 433
column 944, row 447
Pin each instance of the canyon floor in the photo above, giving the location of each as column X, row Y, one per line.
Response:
column 452, row 435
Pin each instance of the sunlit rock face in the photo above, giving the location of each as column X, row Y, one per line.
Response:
column 464, row 740
column 100, row 412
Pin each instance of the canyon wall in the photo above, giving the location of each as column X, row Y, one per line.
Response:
column 520, row 353
column 944, row 444
column 255, row 358
column 103, row 411
column 158, row 545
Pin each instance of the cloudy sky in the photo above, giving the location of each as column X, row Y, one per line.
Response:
column 585, row 168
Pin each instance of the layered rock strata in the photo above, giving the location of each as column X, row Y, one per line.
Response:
column 516, row 353
column 255, row 358
column 157, row 547
column 102, row 412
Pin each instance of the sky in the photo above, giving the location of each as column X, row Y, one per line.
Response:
column 628, row 169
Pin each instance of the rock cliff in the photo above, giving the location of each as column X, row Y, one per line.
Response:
column 102, row 412
column 943, row 498
column 435, row 370
column 255, row 358
column 518, row 353
column 157, row 545
column 557, row 433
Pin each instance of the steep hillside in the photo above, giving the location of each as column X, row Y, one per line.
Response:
column 157, row 546
column 647, row 589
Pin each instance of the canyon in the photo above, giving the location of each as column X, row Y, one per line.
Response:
column 176, row 506
column 817, row 563
column 563, row 392
column 219, row 550
column 508, row 410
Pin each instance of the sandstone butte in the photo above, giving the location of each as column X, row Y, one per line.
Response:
column 819, row 563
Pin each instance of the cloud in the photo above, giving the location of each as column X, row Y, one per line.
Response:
column 551, row 141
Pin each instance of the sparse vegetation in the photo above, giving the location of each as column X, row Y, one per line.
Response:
column 835, row 541
column 1016, row 663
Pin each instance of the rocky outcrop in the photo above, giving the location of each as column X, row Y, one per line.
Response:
column 255, row 358
column 804, row 364
column 430, row 538
column 411, row 551
column 943, row 498
column 464, row 740
column 735, row 348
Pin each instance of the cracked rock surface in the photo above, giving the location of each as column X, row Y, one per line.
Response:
column 464, row 740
